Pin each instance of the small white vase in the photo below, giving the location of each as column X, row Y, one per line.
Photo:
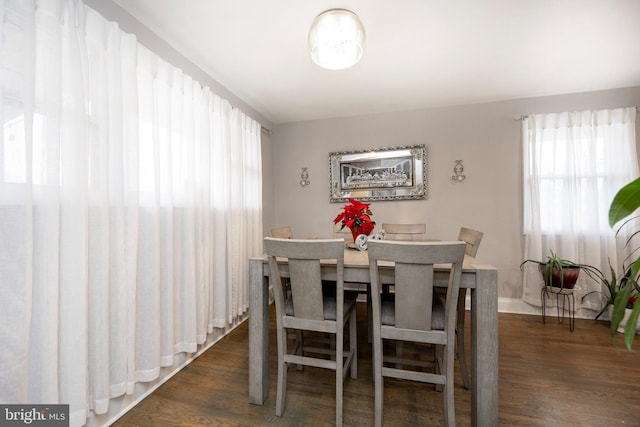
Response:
column 627, row 313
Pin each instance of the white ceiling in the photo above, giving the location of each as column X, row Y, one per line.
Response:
column 418, row 54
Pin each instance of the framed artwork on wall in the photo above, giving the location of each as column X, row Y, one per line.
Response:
column 396, row 173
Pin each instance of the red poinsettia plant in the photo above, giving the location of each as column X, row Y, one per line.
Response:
column 357, row 217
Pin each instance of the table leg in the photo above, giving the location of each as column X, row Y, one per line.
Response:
column 484, row 344
column 258, row 333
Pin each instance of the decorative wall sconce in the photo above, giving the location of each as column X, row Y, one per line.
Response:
column 304, row 176
column 458, row 169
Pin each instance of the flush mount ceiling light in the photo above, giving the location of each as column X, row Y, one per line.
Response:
column 336, row 39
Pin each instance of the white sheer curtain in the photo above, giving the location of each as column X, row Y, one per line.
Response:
column 573, row 164
column 130, row 200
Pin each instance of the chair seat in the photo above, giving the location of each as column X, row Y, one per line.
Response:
column 329, row 303
column 388, row 312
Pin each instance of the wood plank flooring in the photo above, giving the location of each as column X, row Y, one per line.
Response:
column 549, row 377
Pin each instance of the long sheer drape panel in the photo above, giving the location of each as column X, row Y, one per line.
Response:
column 574, row 163
column 130, row 201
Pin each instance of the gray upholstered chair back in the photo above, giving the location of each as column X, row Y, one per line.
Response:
column 414, row 232
column 473, row 239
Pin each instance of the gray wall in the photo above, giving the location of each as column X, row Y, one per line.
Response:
column 486, row 137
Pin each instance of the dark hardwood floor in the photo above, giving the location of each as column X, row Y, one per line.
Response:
column 549, row 377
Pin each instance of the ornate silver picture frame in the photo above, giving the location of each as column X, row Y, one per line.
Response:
column 395, row 173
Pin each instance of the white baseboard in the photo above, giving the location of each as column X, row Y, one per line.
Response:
column 517, row 306
column 514, row 305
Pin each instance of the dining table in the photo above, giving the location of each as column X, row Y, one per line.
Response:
column 480, row 278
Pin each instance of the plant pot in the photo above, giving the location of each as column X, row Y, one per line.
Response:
column 623, row 323
column 365, row 229
column 569, row 276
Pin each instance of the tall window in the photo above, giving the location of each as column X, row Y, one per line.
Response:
column 573, row 165
column 130, row 201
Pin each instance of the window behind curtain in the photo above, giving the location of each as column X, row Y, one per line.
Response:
column 130, row 201
column 573, row 164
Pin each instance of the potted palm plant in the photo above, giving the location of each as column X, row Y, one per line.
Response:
column 615, row 289
column 628, row 311
column 623, row 205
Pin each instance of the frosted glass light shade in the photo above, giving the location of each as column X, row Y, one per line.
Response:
column 336, row 39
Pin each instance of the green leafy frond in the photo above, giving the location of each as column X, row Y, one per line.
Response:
column 625, row 202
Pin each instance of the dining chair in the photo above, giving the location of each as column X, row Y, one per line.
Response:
column 282, row 232
column 309, row 308
column 361, row 288
column 412, row 314
column 405, row 231
column 472, row 238
column 286, row 233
